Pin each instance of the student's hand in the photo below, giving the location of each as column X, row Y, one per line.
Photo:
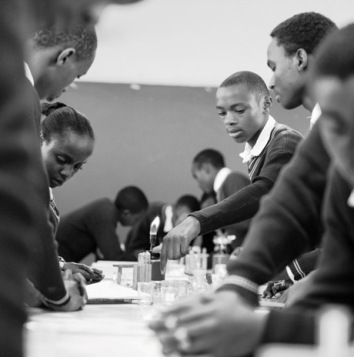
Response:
column 219, row 324
column 176, row 243
column 91, row 275
column 75, row 286
column 275, row 289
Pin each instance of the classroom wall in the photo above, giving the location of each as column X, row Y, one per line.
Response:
column 147, row 136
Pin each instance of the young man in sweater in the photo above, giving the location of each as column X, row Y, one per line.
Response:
column 243, row 103
column 297, row 224
column 239, row 329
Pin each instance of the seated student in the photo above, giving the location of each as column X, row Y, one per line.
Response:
column 212, row 175
column 67, row 142
column 243, row 103
column 234, row 328
column 93, row 226
column 170, row 216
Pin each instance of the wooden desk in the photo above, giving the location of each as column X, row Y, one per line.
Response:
column 98, row 330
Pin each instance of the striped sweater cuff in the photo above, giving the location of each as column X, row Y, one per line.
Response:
column 295, row 271
column 56, row 303
column 242, row 286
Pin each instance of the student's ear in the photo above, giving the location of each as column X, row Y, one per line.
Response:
column 267, row 103
column 302, row 59
column 65, row 55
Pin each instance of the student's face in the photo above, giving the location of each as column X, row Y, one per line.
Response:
column 128, row 219
column 203, row 177
column 286, row 82
column 55, row 80
column 64, row 155
column 241, row 112
column 336, row 99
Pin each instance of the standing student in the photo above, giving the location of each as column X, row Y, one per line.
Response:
column 213, row 177
column 223, row 324
column 67, row 143
column 55, row 57
column 20, row 204
column 92, row 228
column 243, row 103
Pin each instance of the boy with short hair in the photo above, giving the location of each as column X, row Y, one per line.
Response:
column 243, row 103
column 213, row 177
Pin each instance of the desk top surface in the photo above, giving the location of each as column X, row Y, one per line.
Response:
column 98, row 330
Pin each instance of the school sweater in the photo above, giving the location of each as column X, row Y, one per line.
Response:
column 288, row 222
column 264, row 170
column 334, row 278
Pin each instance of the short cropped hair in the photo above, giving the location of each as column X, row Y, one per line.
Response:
column 60, row 118
column 305, row 30
column 82, row 38
column 335, row 55
column 189, row 201
column 131, row 198
column 210, row 156
column 253, row 81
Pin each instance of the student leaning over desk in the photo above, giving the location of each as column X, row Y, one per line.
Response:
column 56, row 56
column 240, row 329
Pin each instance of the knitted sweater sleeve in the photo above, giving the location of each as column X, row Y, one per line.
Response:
column 244, row 203
column 288, row 222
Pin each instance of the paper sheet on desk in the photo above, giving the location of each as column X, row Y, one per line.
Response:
column 109, row 292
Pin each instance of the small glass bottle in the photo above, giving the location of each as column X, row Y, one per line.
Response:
column 199, row 283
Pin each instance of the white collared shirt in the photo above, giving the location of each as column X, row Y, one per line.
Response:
column 168, row 221
column 351, row 199
column 28, row 73
column 261, row 142
column 316, row 113
column 220, row 178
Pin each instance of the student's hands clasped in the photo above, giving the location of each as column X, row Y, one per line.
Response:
column 219, row 324
column 91, row 275
column 75, row 286
column 176, row 243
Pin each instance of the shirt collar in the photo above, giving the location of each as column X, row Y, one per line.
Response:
column 261, row 142
column 51, row 193
column 220, row 178
column 316, row 113
column 168, row 221
column 351, row 200
column 28, row 73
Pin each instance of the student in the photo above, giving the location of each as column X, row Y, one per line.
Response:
column 20, row 156
column 289, row 221
column 67, row 142
column 223, row 324
column 92, row 228
column 209, row 170
column 55, row 58
column 243, row 103
column 170, row 215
